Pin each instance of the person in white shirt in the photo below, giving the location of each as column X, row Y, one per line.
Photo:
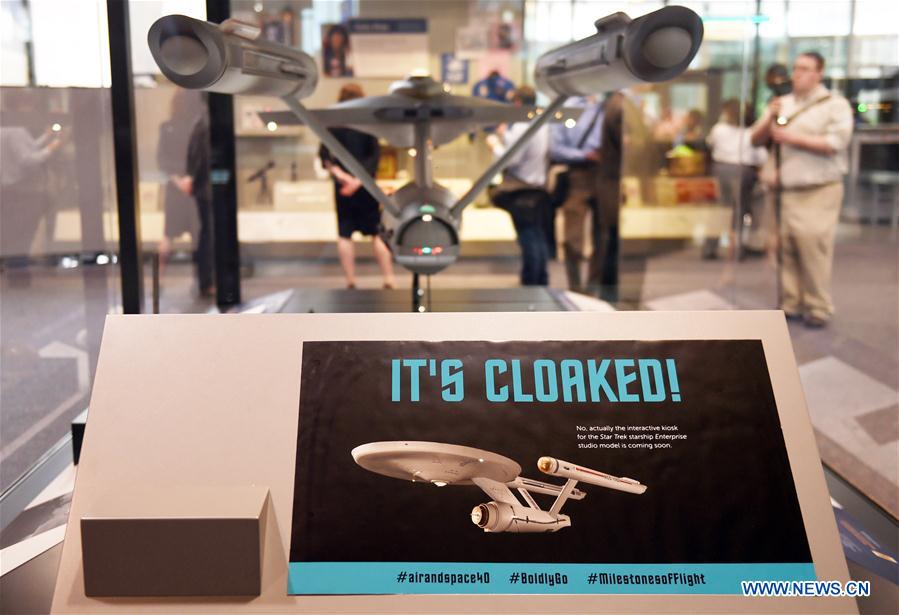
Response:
column 812, row 127
column 736, row 165
column 523, row 191
column 23, row 191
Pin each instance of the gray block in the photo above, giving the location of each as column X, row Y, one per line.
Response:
column 175, row 542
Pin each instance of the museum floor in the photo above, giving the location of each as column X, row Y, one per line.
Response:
column 850, row 370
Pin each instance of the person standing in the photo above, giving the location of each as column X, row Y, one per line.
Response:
column 812, row 127
column 357, row 210
column 171, row 156
column 606, row 217
column 577, row 147
column 622, row 151
column 523, row 190
column 494, row 87
column 197, row 184
column 23, row 160
column 735, row 164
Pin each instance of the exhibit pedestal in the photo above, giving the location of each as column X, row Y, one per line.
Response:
column 188, row 400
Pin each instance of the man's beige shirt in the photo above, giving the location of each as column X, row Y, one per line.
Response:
column 831, row 119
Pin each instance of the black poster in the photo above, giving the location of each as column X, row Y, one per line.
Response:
column 407, row 453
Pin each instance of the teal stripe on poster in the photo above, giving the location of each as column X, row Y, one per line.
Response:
column 490, row 578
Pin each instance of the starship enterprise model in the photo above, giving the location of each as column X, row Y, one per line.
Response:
column 234, row 58
column 450, row 464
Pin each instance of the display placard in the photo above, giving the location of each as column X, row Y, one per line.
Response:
column 453, row 69
column 389, row 47
column 706, row 499
column 322, row 410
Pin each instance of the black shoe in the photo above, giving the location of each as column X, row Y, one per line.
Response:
column 815, row 322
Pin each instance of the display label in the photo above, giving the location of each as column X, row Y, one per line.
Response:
column 389, row 48
column 577, row 467
column 453, row 70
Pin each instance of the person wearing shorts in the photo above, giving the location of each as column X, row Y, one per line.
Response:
column 357, row 210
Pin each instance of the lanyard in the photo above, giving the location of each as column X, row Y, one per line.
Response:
column 802, row 110
column 590, row 126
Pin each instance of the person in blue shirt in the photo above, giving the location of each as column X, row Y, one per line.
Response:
column 523, row 190
column 577, row 148
column 494, row 87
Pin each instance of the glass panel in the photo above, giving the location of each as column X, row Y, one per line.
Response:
column 287, row 221
column 60, row 57
column 701, row 232
column 810, row 18
column 57, row 221
column 697, row 227
column 876, row 17
column 773, row 22
column 173, row 224
column 14, row 61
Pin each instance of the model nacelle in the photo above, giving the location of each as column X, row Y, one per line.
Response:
column 571, row 471
column 624, row 52
column 449, row 464
column 230, row 58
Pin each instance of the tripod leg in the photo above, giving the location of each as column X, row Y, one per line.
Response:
column 778, row 221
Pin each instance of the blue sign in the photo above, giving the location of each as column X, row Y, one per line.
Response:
column 453, row 70
column 316, row 578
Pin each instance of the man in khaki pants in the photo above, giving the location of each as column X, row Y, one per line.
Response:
column 576, row 147
column 812, row 126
